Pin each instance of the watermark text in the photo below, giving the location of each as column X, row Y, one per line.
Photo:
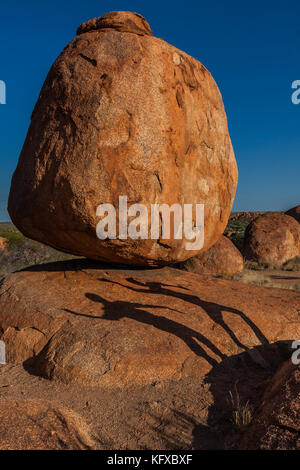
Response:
column 296, row 353
column 2, row 92
column 133, row 222
column 296, row 94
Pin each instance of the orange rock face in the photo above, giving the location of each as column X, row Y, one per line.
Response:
column 276, row 425
column 294, row 212
column 123, row 113
column 76, row 322
column 222, row 258
column 272, row 238
column 3, row 243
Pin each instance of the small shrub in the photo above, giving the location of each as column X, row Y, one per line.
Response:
column 242, row 414
column 260, row 265
column 14, row 240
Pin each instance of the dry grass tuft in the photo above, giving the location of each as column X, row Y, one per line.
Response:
column 242, row 414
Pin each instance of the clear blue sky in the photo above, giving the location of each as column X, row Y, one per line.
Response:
column 251, row 48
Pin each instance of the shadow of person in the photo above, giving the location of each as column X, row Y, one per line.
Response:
column 213, row 310
column 116, row 310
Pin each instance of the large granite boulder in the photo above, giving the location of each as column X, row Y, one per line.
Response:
column 222, row 258
column 272, row 238
column 123, row 113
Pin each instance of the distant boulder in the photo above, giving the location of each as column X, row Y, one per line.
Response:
column 272, row 238
column 295, row 213
column 222, row 258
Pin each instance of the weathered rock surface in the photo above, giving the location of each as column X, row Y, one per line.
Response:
column 39, row 425
column 222, row 258
column 295, row 213
column 3, row 243
column 272, row 238
column 123, row 113
column 123, row 21
column 276, row 425
column 77, row 322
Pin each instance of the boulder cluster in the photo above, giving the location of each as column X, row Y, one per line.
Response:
column 123, row 113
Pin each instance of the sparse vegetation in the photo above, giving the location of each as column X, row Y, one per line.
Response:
column 292, row 264
column 273, row 278
column 237, row 225
column 236, row 231
column 260, row 265
column 242, row 413
column 21, row 252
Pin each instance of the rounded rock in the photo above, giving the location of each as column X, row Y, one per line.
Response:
column 223, row 258
column 272, row 238
column 123, row 113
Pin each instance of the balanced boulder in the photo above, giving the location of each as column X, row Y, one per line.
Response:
column 222, row 258
column 272, row 238
column 123, row 113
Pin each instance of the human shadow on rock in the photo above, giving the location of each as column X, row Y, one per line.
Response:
column 116, row 310
column 212, row 309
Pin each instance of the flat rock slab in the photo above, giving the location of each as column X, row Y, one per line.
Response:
column 92, row 324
